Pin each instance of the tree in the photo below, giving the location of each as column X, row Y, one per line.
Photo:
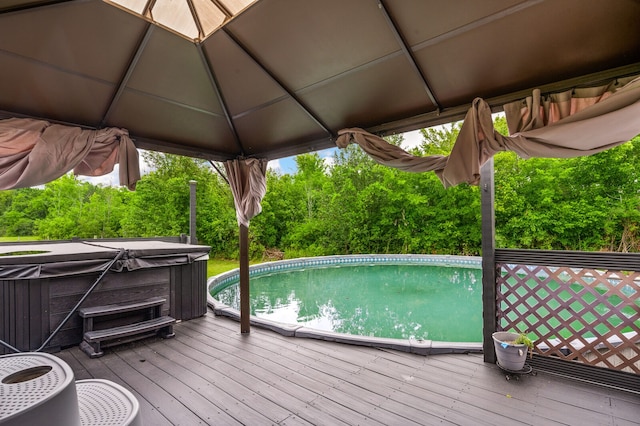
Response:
column 65, row 199
column 103, row 212
column 21, row 208
column 160, row 206
column 356, row 205
column 439, row 140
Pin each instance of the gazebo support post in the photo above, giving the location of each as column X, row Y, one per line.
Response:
column 245, row 307
column 487, row 195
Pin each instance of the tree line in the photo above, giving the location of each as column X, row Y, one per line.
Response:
column 354, row 205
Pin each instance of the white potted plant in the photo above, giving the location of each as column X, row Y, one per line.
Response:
column 511, row 349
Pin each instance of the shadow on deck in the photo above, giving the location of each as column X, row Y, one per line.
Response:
column 211, row 374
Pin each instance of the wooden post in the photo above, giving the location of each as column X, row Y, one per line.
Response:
column 487, row 194
column 245, row 306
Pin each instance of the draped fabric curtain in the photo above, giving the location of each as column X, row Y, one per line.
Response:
column 561, row 126
column 536, row 111
column 34, row 152
column 247, row 178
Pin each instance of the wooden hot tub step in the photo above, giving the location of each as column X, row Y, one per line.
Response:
column 95, row 340
column 153, row 324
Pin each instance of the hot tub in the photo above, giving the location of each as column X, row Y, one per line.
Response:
column 41, row 282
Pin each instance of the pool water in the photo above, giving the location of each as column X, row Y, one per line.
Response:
column 399, row 301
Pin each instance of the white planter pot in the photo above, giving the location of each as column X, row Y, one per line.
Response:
column 510, row 357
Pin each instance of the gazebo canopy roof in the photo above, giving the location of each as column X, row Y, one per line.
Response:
column 221, row 79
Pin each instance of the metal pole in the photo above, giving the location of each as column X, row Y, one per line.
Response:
column 487, row 191
column 193, row 239
column 120, row 253
column 245, row 306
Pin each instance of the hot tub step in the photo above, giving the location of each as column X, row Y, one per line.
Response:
column 118, row 308
column 95, row 340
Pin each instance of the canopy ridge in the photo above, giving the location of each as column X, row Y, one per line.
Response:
column 36, row 5
column 196, row 20
column 512, row 10
column 408, row 54
column 127, row 75
column 282, row 85
column 147, row 8
column 222, row 8
column 216, row 87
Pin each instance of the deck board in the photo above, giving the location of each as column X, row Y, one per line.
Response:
column 149, row 397
column 209, row 373
column 239, row 384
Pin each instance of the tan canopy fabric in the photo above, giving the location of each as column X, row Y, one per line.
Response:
column 34, row 152
column 569, row 129
column 536, row 111
column 247, row 178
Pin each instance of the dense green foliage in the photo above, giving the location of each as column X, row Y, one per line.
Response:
column 354, row 205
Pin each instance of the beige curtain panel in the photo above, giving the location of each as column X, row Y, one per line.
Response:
column 571, row 124
column 34, row 152
column 247, row 178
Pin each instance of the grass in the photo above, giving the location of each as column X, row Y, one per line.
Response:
column 218, row 266
column 17, row 239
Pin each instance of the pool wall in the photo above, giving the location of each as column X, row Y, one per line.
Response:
column 423, row 347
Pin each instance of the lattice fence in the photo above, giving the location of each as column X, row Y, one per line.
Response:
column 586, row 315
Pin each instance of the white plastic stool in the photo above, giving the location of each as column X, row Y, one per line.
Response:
column 105, row 403
column 37, row 389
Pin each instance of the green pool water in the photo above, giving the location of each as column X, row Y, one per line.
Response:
column 382, row 300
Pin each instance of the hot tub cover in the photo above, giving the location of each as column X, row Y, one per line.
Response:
column 54, row 259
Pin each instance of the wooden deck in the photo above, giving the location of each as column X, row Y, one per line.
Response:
column 211, row 374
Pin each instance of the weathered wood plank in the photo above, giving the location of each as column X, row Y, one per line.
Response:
column 151, row 365
column 348, row 390
column 265, row 378
column 149, row 398
column 211, row 373
column 213, row 383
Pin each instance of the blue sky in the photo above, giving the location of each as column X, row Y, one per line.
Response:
column 288, row 165
column 283, row 165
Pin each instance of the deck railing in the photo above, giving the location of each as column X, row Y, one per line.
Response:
column 578, row 306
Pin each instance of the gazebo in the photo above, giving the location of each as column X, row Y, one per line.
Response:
column 242, row 82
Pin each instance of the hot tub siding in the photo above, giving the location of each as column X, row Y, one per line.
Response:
column 32, row 309
column 189, row 301
column 25, row 313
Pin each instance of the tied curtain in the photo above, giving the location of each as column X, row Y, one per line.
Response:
column 248, row 182
column 34, row 152
column 569, row 124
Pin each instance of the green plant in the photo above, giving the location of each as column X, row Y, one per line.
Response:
column 523, row 339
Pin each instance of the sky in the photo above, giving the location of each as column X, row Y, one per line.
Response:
column 283, row 165
column 288, row 165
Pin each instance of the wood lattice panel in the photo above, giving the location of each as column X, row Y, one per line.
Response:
column 586, row 315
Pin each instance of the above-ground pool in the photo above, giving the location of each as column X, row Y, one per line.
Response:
column 402, row 300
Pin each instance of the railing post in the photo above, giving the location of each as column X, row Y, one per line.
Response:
column 487, row 194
